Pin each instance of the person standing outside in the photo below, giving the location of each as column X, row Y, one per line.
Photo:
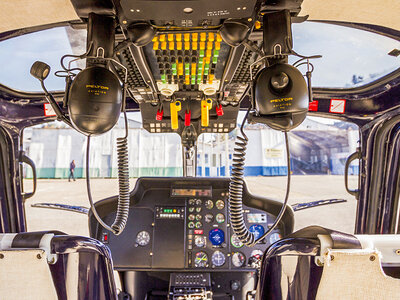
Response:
column 71, row 170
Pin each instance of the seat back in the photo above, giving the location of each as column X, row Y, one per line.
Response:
column 52, row 265
column 330, row 265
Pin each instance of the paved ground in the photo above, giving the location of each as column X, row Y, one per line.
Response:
column 304, row 189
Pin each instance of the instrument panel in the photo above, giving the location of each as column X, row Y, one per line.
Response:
column 183, row 224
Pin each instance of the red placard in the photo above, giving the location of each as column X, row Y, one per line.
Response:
column 198, row 231
column 313, row 106
column 48, row 110
column 337, row 106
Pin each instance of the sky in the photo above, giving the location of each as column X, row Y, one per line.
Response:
column 346, row 52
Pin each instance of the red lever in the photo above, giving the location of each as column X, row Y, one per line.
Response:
column 159, row 115
column 187, row 117
column 220, row 110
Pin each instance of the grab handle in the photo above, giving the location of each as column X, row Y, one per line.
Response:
column 354, row 156
column 25, row 159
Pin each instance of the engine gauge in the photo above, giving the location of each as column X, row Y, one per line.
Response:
column 201, row 260
column 209, row 204
column 208, row 218
column 238, row 259
column 236, row 242
column 274, row 237
column 257, row 230
column 200, row 241
column 143, row 238
column 218, row 258
column 220, row 204
column 191, row 217
column 256, row 253
column 220, row 218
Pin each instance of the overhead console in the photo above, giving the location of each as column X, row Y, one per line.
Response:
column 178, row 224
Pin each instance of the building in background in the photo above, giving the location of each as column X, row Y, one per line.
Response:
column 316, row 148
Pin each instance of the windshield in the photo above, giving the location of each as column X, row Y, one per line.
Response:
column 351, row 57
column 319, row 149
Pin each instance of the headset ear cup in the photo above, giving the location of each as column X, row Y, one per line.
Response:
column 280, row 97
column 95, row 100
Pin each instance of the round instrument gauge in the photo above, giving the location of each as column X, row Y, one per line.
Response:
column 209, row 204
column 198, row 225
column 191, row 217
column 257, row 254
column 199, row 202
column 274, row 237
column 208, row 218
column 236, row 242
column 257, row 230
column 143, row 238
column 201, row 260
column 218, row 258
column 220, row 204
column 216, row 236
column 220, row 218
column 200, row 241
column 238, row 259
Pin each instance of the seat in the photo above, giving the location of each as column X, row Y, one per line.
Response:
column 318, row 263
column 52, row 265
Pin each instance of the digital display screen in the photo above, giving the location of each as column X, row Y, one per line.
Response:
column 196, row 192
column 257, row 218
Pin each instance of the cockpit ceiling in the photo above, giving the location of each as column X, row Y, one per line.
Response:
column 383, row 12
column 18, row 14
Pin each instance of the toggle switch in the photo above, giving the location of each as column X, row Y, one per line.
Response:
column 188, row 115
column 159, row 115
column 219, row 110
column 206, row 105
column 175, row 107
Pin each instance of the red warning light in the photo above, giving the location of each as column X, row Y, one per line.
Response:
column 198, row 231
column 105, row 238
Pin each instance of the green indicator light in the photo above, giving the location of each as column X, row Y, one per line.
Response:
column 201, row 54
column 173, row 66
column 163, row 78
column 200, row 60
column 216, row 53
column 215, row 60
column 205, row 72
column 207, row 67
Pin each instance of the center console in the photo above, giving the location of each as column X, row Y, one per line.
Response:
column 179, row 236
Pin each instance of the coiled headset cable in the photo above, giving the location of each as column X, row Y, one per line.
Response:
column 236, row 190
column 121, row 217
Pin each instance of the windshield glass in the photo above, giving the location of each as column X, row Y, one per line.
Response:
column 319, row 149
column 351, row 57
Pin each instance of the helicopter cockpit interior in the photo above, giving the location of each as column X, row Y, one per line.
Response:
column 192, row 68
